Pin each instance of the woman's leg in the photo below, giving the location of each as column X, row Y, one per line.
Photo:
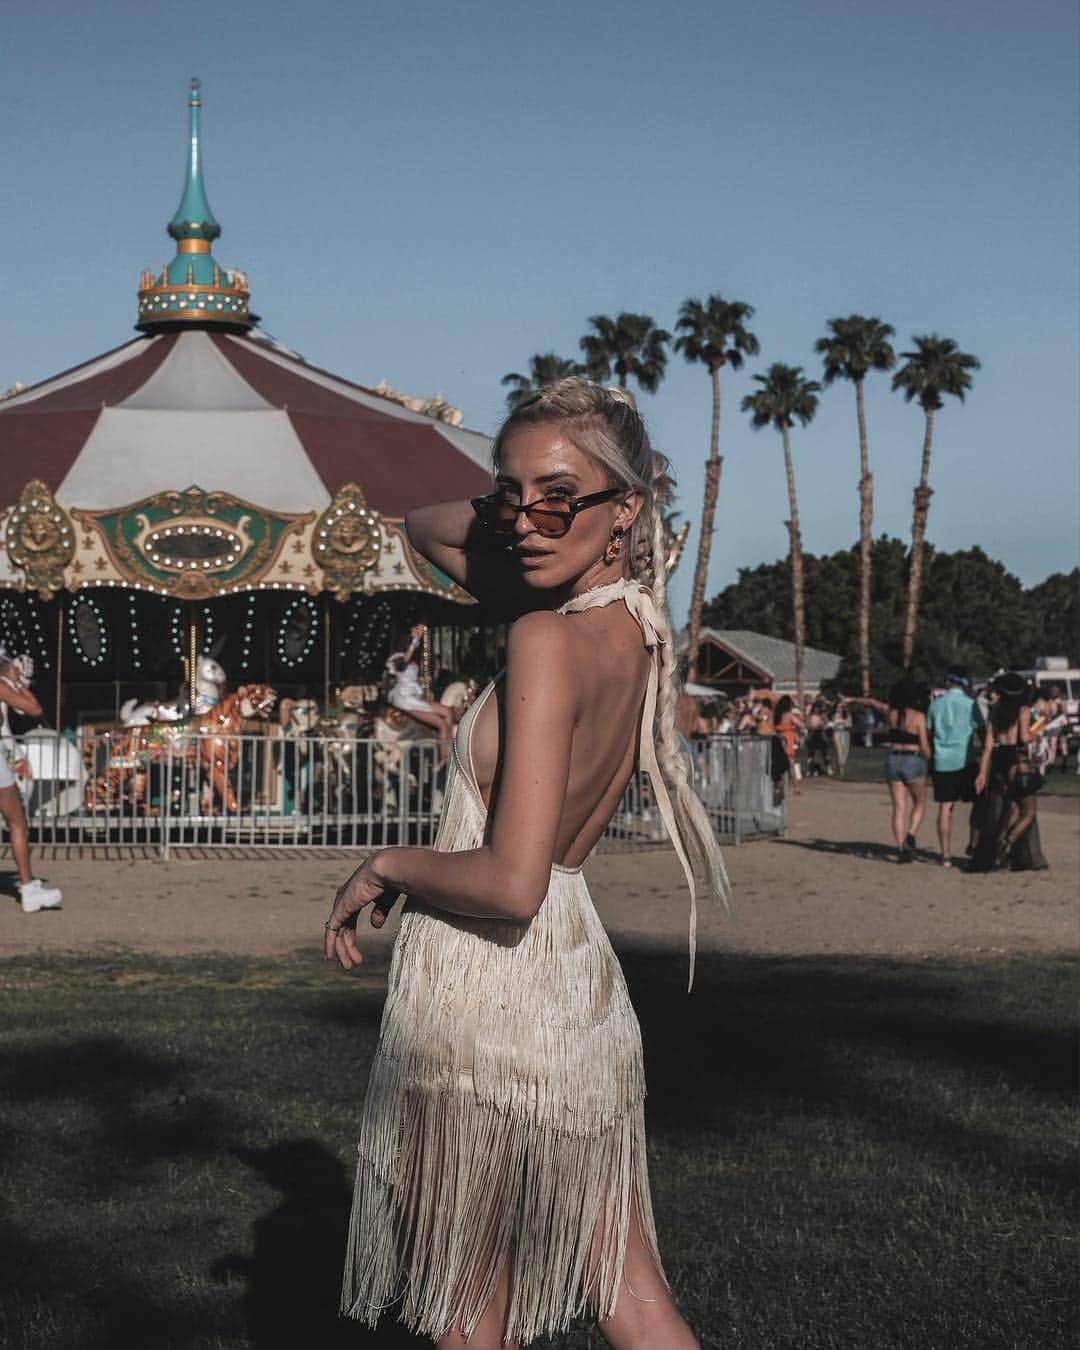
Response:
column 11, row 807
column 645, row 1316
column 489, row 1330
column 918, row 804
column 898, row 793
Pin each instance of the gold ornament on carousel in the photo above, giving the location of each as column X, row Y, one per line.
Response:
column 347, row 541
column 40, row 539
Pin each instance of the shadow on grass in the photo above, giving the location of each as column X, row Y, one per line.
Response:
column 135, row 1121
column 848, row 1038
column 293, row 1277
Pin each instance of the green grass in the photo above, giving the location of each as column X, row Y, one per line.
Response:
column 847, row 1154
column 868, row 766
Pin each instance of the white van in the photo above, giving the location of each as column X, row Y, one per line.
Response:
column 1055, row 671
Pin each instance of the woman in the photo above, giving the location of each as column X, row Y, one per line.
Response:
column 407, row 693
column 906, row 763
column 781, row 723
column 1010, row 778
column 15, row 675
column 502, row 1186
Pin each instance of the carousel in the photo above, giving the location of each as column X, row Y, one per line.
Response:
column 200, row 514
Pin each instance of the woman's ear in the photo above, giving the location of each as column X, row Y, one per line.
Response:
column 628, row 509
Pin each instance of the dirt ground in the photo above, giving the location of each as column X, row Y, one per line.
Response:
column 832, row 886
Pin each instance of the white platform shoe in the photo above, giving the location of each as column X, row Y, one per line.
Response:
column 38, row 894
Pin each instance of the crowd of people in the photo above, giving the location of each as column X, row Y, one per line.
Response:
column 988, row 747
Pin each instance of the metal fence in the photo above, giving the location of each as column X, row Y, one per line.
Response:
column 144, row 787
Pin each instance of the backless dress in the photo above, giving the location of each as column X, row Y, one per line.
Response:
column 503, row 1121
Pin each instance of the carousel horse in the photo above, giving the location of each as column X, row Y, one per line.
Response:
column 217, row 744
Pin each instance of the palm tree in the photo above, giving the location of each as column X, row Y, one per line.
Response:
column 545, row 368
column 785, row 396
column 715, row 334
column 937, row 367
column 852, row 348
column 629, row 344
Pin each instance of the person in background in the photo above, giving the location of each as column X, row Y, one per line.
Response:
column 841, row 741
column 906, row 764
column 780, row 720
column 1010, row 833
column 15, row 692
column 952, row 721
column 817, row 741
column 407, row 693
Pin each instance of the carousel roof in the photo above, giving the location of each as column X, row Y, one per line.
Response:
column 230, row 413
column 203, row 458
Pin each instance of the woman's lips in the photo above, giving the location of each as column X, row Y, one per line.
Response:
column 530, row 557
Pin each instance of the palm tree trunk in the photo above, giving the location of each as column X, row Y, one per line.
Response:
column 798, row 599
column 713, row 466
column 923, row 494
column 866, row 519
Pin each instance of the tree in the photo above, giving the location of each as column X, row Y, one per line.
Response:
column 629, row 344
column 975, row 612
column 936, row 367
column 1054, row 606
column 851, row 349
column 785, row 396
column 715, row 334
column 545, row 368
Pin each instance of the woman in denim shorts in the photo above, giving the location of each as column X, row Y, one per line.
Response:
column 905, row 766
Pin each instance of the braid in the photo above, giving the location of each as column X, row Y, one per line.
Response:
column 695, row 828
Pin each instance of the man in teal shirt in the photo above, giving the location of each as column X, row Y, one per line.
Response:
column 952, row 720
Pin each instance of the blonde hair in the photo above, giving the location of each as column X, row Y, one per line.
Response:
column 604, row 423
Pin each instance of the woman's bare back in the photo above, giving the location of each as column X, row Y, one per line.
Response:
column 609, row 670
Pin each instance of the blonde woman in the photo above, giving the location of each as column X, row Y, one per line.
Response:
column 502, row 1186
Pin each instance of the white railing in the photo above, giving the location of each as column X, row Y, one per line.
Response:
column 166, row 791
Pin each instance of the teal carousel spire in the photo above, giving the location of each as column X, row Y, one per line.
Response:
column 193, row 290
column 194, row 219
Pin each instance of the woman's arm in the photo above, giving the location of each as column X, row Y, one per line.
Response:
column 450, row 535
column 924, row 739
column 874, row 703
column 984, row 758
column 18, row 695
column 507, row 877
column 1023, row 727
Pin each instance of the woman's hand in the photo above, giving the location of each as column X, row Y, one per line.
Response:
column 980, row 784
column 365, row 887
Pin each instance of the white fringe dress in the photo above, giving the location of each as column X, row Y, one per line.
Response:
column 503, row 1121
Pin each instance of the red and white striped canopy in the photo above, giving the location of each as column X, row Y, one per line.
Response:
column 235, row 416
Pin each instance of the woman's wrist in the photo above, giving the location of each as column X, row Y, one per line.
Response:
column 381, row 866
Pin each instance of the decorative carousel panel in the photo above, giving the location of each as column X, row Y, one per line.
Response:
column 40, row 539
column 348, row 542
column 192, row 544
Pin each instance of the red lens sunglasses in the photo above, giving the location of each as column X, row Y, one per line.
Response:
column 549, row 516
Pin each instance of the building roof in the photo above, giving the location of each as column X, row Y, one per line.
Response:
column 775, row 657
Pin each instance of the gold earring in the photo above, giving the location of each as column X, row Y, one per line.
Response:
column 614, row 545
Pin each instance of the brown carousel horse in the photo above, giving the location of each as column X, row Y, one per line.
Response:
column 217, row 747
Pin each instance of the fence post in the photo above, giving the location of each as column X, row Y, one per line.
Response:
column 166, row 805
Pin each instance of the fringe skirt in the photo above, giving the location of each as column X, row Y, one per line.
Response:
column 503, row 1124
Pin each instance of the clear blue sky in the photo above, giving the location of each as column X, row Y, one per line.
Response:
column 433, row 192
